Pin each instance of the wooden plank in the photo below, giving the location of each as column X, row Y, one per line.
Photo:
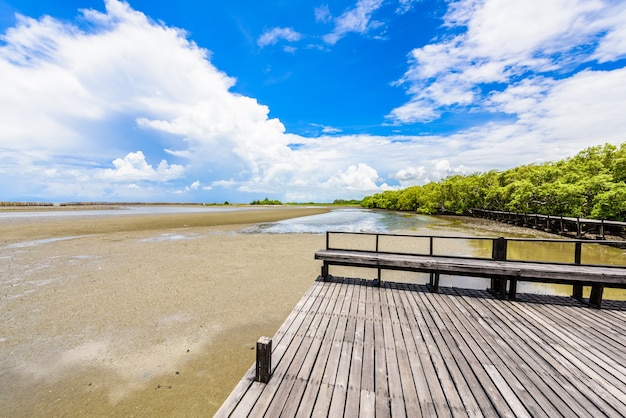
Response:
column 529, row 350
column 570, row 351
column 475, row 359
column 332, row 365
column 569, row 377
column 338, row 403
column 318, row 362
column 367, row 371
column 383, row 407
column 409, row 392
column 393, row 369
column 417, row 356
column 476, row 402
column 528, row 371
column 503, row 385
column 367, row 404
column 353, row 397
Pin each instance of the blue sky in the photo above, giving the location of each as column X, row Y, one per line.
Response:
column 207, row 101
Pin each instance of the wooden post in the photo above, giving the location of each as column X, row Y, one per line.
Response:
column 512, row 288
column 498, row 252
column 595, row 300
column 434, row 282
column 577, row 290
column 263, row 360
column 325, row 270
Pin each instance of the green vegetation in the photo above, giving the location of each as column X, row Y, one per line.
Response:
column 591, row 184
column 266, row 201
column 342, row 202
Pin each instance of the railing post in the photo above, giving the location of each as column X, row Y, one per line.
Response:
column 327, row 240
column 432, row 274
column 263, row 360
column 577, row 289
column 498, row 252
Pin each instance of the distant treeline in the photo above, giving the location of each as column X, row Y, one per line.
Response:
column 14, row 204
column 128, row 204
column 95, row 204
column 266, row 201
column 591, row 184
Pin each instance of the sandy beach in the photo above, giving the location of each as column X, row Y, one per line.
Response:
column 141, row 315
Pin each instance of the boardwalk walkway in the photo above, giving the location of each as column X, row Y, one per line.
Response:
column 351, row 349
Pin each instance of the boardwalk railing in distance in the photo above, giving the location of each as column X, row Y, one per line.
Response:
column 563, row 225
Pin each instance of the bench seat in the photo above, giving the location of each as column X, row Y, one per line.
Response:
column 579, row 275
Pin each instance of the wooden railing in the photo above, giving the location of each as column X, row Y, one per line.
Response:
column 493, row 248
column 397, row 252
column 563, row 225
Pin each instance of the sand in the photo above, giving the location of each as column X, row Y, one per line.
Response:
column 141, row 315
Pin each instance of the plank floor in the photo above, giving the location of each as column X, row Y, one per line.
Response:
column 355, row 350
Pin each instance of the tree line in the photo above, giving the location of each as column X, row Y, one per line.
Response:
column 591, row 184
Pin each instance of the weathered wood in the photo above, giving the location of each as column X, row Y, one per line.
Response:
column 263, row 360
column 354, row 349
column 500, row 271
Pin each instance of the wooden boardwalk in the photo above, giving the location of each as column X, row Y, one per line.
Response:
column 352, row 349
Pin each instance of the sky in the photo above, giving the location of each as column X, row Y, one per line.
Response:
column 213, row 101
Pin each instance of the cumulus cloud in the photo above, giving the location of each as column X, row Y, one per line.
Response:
column 133, row 167
column 272, row 36
column 505, row 43
column 67, row 90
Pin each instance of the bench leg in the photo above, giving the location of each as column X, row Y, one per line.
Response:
column 595, row 300
column 577, row 292
column 512, row 289
column 325, row 271
column 434, row 282
column 501, row 288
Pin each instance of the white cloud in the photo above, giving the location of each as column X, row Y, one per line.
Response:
column 322, row 14
column 133, row 167
column 272, row 36
column 405, row 5
column 505, row 41
column 356, row 20
column 361, row 177
column 66, row 91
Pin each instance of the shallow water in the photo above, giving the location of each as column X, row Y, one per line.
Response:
column 347, row 220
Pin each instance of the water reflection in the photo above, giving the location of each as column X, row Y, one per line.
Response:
column 474, row 244
column 347, row 220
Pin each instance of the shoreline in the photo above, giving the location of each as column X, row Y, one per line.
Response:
column 27, row 228
column 141, row 315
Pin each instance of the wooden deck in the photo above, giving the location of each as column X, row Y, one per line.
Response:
column 352, row 349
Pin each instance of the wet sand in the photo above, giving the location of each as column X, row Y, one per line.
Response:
column 141, row 315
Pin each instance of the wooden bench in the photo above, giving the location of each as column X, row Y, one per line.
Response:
column 500, row 272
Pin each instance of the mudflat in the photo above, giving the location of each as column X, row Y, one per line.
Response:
column 141, row 315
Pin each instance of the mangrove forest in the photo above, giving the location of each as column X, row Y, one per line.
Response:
column 591, row 184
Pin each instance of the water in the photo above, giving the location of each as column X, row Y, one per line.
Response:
column 364, row 220
column 347, row 220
